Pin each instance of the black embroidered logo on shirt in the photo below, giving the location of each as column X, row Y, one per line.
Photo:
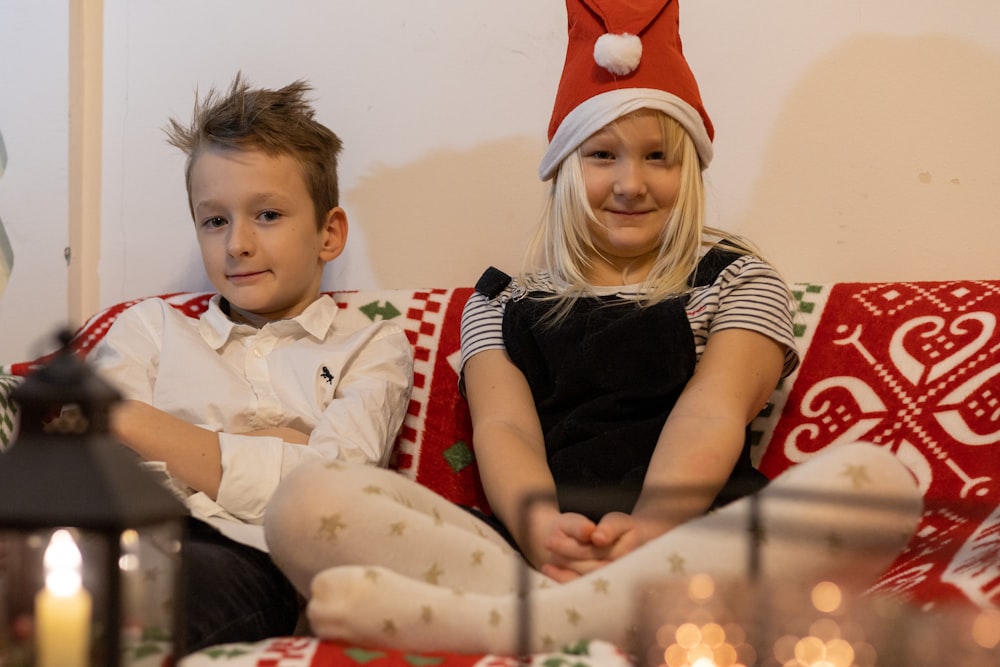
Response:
column 327, row 375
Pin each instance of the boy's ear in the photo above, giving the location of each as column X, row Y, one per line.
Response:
column 334, row 233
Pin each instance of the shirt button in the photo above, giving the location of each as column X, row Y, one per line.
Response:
column 257, row 353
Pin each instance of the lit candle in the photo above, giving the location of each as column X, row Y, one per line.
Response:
column 62, row 608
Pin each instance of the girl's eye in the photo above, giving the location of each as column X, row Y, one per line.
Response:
column 658, row 156
column 601, row 155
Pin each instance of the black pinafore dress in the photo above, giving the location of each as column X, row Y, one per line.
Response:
column 604, row 382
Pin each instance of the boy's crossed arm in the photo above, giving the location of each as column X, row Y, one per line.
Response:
column 191, row 453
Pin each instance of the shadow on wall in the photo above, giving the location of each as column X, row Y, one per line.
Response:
column 883, row 165
column 441, row 221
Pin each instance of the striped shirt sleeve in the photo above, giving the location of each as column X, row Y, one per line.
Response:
column 482, row 325
column 748, row 294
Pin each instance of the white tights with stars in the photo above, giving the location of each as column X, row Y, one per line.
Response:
column 386, row 562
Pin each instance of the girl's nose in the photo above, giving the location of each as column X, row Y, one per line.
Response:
column 629, row 180
column 241, row 239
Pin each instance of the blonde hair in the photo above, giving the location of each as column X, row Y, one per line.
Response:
column 561, row 246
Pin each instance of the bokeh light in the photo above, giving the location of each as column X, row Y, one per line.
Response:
column 701, row 646
column 827, row 597
column 986, row 629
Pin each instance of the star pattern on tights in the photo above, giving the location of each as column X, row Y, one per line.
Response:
column 676, row 562
column 397, row 529
column 373, row 490
column 334, row 465
column 477, row 557
column 433, row 575
column 495, row 617
column 602, row 586
column 858, row 475
column 372, row 575
column 573, row 616
column 389, row 627
column 329, row 526
column 426, row 614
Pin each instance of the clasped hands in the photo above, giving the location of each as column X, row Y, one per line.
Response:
column 571, row 545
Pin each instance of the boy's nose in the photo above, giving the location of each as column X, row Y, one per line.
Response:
column 241, row 239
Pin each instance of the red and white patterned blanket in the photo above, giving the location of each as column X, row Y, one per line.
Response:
column 913, row 367
column 909, row 366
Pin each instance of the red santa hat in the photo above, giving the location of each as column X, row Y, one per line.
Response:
column 622, row 56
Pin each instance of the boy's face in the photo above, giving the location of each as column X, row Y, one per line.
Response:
column 256, row 226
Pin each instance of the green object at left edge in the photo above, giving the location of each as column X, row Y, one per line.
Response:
column 6, row 251
column 3, row 156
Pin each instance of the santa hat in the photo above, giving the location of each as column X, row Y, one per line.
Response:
column 622, row 56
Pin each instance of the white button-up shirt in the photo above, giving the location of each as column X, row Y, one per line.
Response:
column 347, row 386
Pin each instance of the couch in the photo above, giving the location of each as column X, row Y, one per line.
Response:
column 910, row 366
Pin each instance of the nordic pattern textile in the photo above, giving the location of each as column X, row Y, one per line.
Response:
column 912, row 367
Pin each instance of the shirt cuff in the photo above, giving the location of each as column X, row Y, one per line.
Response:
column 251, row 470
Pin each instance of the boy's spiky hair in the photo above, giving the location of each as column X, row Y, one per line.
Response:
column 277, row 122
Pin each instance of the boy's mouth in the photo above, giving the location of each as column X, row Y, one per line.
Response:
column 245, row 275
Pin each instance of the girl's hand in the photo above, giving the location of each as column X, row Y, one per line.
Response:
column 617, row 534
column 567, row 548
column 570, row 548
column 577, row 546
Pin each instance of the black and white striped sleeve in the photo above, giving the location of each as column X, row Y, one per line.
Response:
column 751, row 295
column 482, row 326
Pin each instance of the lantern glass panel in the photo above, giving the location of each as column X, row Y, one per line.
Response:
column 129, row 580
column 149, row 562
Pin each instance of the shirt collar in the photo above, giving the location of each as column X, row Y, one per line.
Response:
column 316, row 320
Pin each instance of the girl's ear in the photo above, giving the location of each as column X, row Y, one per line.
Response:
column 334, row 234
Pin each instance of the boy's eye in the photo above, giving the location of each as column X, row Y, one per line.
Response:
column 269, row 216
column 213, row 223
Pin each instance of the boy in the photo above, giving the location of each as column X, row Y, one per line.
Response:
column 265, row 379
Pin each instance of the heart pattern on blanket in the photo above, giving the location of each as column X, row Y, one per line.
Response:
column 913, row 367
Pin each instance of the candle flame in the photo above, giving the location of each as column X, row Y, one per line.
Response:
column 62, row 564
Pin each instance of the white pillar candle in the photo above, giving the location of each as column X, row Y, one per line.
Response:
column 62, row 608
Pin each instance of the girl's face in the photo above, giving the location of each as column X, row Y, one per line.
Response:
column 631, row 188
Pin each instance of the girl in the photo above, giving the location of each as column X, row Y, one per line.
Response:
column 626, row 361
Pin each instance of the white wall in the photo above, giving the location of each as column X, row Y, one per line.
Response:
column 855, row 139
column 34, row 189
column 441, row 105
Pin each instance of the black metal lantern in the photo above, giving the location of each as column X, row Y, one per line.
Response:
column 90, row 542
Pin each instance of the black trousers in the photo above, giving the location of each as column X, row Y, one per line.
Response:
column 232, row 592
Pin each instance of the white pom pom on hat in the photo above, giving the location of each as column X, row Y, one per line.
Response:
column 622, row 55
column 619, row 54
